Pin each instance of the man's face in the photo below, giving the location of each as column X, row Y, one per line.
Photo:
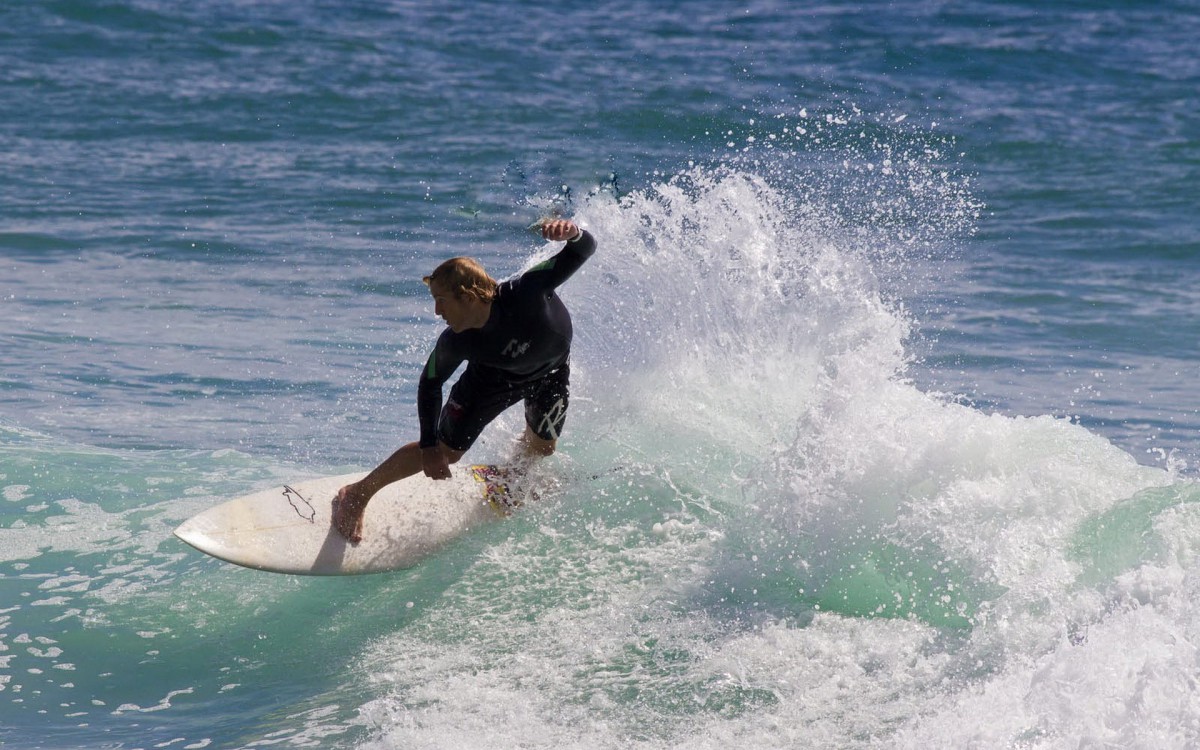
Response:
column 454, row 310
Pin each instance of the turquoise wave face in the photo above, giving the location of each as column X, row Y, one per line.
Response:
column 644, row 596
column 1143, row 529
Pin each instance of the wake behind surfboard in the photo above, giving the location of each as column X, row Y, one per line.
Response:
column 287, row 529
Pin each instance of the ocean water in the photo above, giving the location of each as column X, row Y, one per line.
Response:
column 884, row 413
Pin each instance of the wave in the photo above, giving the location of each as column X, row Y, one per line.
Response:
column 774, row 538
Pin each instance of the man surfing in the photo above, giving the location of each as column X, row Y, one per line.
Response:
column 515, row 337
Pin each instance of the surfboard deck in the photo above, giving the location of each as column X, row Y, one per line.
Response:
column 288, row 529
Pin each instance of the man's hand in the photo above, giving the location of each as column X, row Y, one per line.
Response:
column 434, row 463
column 348, row 509
column 559, row 230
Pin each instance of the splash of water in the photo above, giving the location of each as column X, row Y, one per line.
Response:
column 783, row 540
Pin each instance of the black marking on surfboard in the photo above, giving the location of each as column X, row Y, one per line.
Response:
column 308, row 513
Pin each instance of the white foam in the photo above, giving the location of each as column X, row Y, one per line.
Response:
column 772, row 463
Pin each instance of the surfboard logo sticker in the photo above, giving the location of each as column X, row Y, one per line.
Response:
column 496, row 490
column 305, row 509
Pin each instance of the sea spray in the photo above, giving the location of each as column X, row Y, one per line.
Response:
column 766, row 522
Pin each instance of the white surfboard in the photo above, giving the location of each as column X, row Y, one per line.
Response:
column 288, row 529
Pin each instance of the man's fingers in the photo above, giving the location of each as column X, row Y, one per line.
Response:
column 559, row 229
column 352, row 531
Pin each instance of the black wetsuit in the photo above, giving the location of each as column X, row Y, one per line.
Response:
column 521, row 352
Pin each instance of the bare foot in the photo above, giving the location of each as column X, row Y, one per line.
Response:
column 348, row 511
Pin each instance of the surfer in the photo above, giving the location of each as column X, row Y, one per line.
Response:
column 515, row 337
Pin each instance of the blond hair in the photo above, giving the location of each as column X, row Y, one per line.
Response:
column 463, row 277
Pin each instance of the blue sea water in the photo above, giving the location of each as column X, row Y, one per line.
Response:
column 882, row 431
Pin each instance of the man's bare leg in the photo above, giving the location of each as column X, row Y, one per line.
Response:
column 534, row 447
column 531, row 449
column 351, row 501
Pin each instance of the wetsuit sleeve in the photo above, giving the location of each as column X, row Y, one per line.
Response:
column 549, row 274
column 442, row 363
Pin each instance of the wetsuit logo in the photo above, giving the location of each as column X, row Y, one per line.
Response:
column 515, row 348
column 552, row 421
